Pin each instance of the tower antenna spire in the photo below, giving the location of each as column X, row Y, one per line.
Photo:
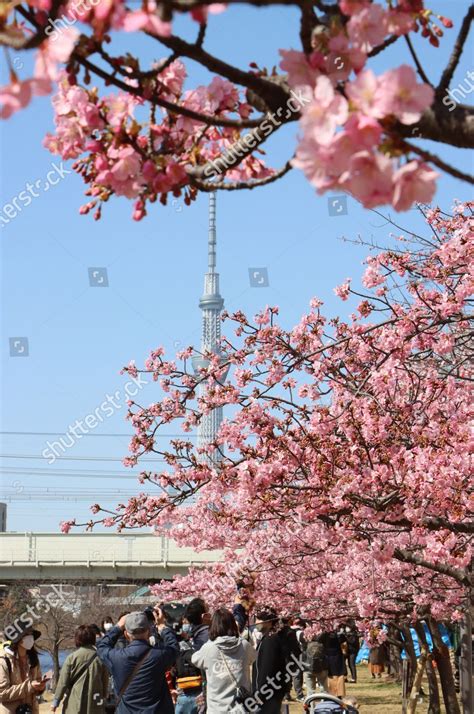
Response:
column 211, row 304
column 212, row 232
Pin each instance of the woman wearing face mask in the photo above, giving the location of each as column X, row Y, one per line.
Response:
column 106, row 624
column 20, row 673
column 83, row 683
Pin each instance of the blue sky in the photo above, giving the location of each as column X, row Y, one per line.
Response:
column 80, row 336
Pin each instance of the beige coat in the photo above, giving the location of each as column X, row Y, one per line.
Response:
column 14, row 691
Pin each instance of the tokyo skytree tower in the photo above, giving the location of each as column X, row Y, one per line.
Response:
column 211, row 304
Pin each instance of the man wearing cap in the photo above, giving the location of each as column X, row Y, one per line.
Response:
column 139, row 669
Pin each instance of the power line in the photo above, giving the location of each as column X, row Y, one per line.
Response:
column 74, row 458
column 61, row 433
column 116, row 477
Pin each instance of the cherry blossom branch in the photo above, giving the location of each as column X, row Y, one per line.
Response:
column 170, row 106
column 405, row 556
column 209, row 186
column 273, row 94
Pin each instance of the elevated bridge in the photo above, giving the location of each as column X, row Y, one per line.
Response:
column 106, row 557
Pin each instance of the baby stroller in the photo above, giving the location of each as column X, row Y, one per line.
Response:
column 324, row 703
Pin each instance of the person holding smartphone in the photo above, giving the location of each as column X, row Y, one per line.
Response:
column 20, row 673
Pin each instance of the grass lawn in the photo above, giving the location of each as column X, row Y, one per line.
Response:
column 376, row 696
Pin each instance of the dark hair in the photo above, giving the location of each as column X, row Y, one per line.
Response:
column 267, row 613
column 122, row 614
column 195, row 610
column 223, row 624
column 106, row 619
column 32, row 654
column 85, row 635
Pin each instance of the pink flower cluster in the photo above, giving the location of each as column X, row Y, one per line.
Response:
column 346, row 142
column 143, row 161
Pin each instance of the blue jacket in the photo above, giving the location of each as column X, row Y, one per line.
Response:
column 148, row 691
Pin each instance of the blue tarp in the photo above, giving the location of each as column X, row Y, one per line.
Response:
column 364, row 650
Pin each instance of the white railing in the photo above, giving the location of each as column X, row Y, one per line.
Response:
column 96, row 549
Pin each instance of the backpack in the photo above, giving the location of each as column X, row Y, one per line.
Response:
column 315, row 659
column 188, row 676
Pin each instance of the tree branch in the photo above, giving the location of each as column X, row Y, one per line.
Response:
column 420, row 69
column 273, row 94
column 448, row 73
column 438, row 123
column 427, row 156
column 209, row 186
column 170, row 106
column 406, row 557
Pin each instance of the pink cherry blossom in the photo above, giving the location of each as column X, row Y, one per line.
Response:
column 326, row 112
column 147, row 19
column 364, row 93
column 401, row 95
column 369, row 178
column 14, row 97
column 368, row 27
column 415, row 181
column 302, row 70
column 351, row 7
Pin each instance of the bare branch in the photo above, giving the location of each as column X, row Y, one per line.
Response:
column 308, row 21
column 448, row 73
column 428, row 156
column 417, row 62
column 380, row 48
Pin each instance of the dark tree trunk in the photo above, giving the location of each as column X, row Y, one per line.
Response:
column 411, row 663
column 394, row 653
column 434, row 706
column 410, row 652
column 445, row 670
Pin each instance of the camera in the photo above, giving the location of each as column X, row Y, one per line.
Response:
column 174, row 613
column 149, row 612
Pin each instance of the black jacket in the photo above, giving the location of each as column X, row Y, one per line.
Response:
column 199, row 636
column 268, row 672
column 332, row 647
column 148, row 691
column 353, row 642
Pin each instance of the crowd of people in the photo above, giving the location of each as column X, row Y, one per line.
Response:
column 181, row 659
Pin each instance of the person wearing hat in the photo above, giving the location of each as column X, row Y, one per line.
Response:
column 84, row 680
column 20, row 673
column 269, row 669
column 139, row 670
